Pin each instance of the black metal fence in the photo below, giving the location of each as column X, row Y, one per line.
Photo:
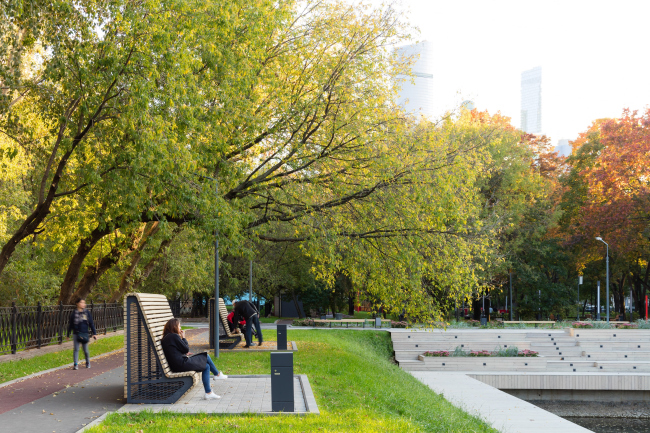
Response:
column 36, row 326
column 196, row 307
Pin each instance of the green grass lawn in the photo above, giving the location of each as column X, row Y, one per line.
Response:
column 14, row 369
column 357, row 387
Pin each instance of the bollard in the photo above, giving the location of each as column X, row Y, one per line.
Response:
column 282, row 337
column 282, row 382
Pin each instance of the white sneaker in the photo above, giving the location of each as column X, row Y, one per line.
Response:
column 221, row 376
column 211, row 396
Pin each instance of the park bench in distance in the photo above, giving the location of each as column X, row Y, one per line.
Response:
column 224, row 329
column 147, row 376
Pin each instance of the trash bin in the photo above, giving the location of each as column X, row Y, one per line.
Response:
column 377, row 322
column 282, row 337
column 282, row 382
column 339, row 316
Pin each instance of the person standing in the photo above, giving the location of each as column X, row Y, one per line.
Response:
column 177, row 353
column 247, row 311
column 81, row 324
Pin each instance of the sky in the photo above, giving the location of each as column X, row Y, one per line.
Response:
column 595, row 56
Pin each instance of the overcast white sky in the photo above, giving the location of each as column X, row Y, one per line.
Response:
column 595, row 56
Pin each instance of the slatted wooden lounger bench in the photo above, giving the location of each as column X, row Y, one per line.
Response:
column 147, row 376
column 224, row 329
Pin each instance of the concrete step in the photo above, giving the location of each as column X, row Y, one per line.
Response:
column 553, row 344
column 614, row 345
column 619, row 356
column 623, row 366
column 471, row 345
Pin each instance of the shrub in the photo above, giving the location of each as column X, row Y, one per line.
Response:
column 398, row 324
column 308, row 322
column 528, row 353
column 480, row 353
column 507, row 351
column 437, row 353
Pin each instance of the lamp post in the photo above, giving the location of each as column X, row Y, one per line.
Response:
column 510, row 274
column 216, row 273
column 579, row 282
column 606, row 273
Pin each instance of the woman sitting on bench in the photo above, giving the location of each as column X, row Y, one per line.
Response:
column 177, row 352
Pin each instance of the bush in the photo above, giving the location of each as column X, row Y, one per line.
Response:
column 308, row 322
column 528, row 353
column 508, row 351
column 398, row 324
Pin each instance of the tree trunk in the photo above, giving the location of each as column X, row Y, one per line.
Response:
column 94, row 273
column 85, row 246
column 295, row 303
column 148, row 268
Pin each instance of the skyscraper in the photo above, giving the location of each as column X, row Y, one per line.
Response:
column 418, row 97
column 531, row 100
column 563, row 147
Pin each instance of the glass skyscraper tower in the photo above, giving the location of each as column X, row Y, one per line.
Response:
column 417, row 97
column 531, row 100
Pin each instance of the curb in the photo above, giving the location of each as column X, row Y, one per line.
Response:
column 97, row 420
column 40, row 373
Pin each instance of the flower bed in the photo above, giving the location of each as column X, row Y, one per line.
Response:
column 498, row 353
column 398, row 324
column 627, row 326
column 480, row 353
column 582, row 325
column 436, row 353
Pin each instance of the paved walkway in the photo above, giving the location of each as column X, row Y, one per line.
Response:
column 239, row 394
column 501, row 410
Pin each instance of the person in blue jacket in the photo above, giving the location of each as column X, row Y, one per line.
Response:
column 81, row 324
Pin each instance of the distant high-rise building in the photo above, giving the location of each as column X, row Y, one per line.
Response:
column 418, row 97
column 531, row 100
column 563, row 147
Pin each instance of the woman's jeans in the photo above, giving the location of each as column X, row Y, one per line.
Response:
column 206, row 374
column 76, row 350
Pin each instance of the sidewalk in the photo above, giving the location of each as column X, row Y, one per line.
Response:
column 65, row 400
column 30, row 353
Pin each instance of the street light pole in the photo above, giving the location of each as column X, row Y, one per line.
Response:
column 510, row 273
column 216, row 272
column 579, row 282
column 606, row 273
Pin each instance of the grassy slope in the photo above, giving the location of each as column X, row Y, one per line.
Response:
column 356, row 386
column 14, row 369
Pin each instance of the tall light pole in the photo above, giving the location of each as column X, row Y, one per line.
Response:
column 216, row 271
column 510, row 273
column 579, row 282
column 606, row 274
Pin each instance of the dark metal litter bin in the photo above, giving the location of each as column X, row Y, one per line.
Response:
column 282, row 337
column 282, row 382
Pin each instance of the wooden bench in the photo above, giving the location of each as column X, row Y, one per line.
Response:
column 224, row 329
column 147, row 376
column 530, row 322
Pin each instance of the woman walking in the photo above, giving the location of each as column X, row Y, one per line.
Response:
column 80, row 324
column 177, row 352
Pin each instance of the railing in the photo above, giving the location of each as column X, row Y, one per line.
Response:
column 28, row 327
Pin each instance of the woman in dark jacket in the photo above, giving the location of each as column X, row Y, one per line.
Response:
column 80, row 324
column 177, row 352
